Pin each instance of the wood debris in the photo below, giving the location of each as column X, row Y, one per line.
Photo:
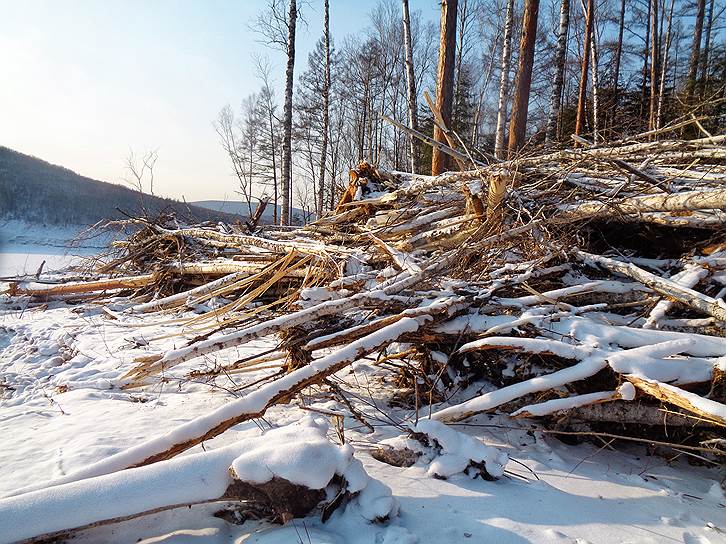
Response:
column 569, row 280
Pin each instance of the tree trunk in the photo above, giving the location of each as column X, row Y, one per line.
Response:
column 326, row 114
column 523, row 81
column 618, row 56
column 560, row 57
column 504, row 81
column 664, row 67
column 287, row 128
column 595, row 84
column 695, row 50
column 410, row 85
column 582, row 94
column 646, row 50
column 440, row 162
column 654, row 63
column 274, row 166
column 706, row 48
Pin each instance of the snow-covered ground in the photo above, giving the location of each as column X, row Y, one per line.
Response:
column 62, row 408
column 25, row 246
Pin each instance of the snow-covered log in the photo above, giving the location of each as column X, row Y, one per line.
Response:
column 282, row 474
column 255, row 404
column 669, row 288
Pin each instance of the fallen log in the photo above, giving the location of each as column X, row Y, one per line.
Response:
column 671, row 289
column 256, row 403
column 690, row 200
column 130, row 282
column 277, row 476
column 706, row 409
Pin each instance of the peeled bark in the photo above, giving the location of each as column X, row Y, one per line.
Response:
column 560, row 57
column 523, row 82
column 286, row 187
column 504, row 81
column 440, row 162
column 410, row 86
column 582, row 94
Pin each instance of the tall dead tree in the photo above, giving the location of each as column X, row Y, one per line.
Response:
column 287, row 115
column 618, row 56
column 654, row 64
column 664, row 66
column 560, row 57
column 706, row 47
column 277, row 27
column 504, row 81
column 445, row 81
column 523, row 81
column 410, row 85
column 646, row 55
column 326, row 113
column 582, row 94
column 594, row 65
column 695, row 50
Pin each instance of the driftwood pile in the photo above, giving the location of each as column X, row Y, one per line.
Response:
column 587, row 285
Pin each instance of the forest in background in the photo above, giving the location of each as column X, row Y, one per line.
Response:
column 603, row 70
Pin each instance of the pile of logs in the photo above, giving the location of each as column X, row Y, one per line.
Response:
column 586, row 284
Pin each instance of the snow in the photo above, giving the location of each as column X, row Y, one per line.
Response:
column 688, row 277
column 566, row 403
column 300, row 453
column 63, row 410
column 25, row 246
column 458, row 450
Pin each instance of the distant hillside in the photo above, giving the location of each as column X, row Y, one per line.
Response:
column 36, row 191
column 240, row 207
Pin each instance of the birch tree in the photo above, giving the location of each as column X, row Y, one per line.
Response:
column 504, row 82
column 277, row 25
column 560, row 57
column 410, row 84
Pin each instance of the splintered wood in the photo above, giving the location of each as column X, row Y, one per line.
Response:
column 572, row 281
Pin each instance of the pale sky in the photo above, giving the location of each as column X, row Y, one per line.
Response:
column 83, row 81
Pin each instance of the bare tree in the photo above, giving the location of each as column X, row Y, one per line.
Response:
column 560, row 57
column 664, row 68
column 706, row 47
column 410, row 85
column 654, row 64
column 141, row 171
column 587, row 41
column 695, row 50
column 445, row 81
column 246, row 144
column 617, row 60
column 277, row 25
column 326, row 114
column 523, row 81
column 269, row 141
column 504, row 81
column 594, row 70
